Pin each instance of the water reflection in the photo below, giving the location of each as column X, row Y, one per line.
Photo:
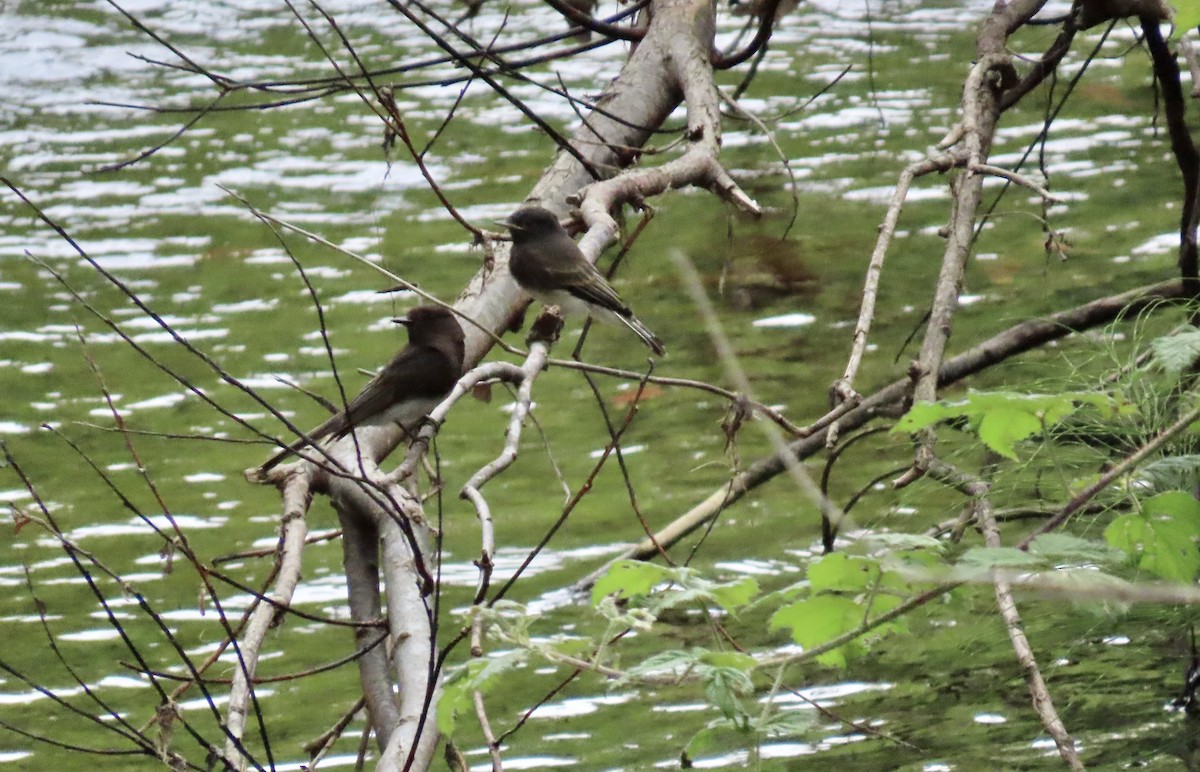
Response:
column 209, row 269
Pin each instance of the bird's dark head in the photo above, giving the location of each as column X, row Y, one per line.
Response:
column 428, row 325
column 529, row 222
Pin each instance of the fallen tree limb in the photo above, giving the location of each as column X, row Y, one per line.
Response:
column 1016, row 340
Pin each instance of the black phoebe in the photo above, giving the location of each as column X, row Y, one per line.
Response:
column 408, row 387
column 547, row 264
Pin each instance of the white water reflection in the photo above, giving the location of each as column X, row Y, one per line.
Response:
column 527, row 762
column 167, row 221
column 139, row 527
column 797, row 319
column 580, row 706
column 828, row 694
column 508, row 559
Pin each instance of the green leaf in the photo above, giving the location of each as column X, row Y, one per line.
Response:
column 899, row 566
column 924, row 414
column 881, row 604
column 1097, row 590
column 1000, row 428
column 736, row 594
column 838, row 571
column 782, row 595
column 691, row 588
column 999, row 557
column 699, row 744
column 1179, row 505
column 817, row 620
column 476, row 675
column 1176, row 353
column 1187, row 15
column 1171, row 473
column 729, row 659
column 678, row 660
column 1158, row 547
column 1004, row 418
column 720, row 734
column 788, row 723
column 674, row 661
column 1073, row 549
column 628, row 579
column 723, row 686
column 455, row 699
column 1161, row 539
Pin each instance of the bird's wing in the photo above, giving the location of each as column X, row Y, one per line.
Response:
column 557, row 262
column 375, row 397
column 592, row 287
column 415, row 372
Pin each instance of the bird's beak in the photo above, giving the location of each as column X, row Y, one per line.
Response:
column 505, row 224
column 404, row 320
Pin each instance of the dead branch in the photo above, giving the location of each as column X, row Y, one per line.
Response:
column 1016, row 340
column 293, row 531
column 370, row 502
column 843, row 389
column 980, row 506
column 685, row 41
column 545, row 331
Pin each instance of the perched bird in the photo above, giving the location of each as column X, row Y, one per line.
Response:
column 548, row 264
column 408, row 387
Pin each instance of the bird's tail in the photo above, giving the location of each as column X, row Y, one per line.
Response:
column 642, row 331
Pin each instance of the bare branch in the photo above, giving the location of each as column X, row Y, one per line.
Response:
column 981, row 507
column 1015, row 340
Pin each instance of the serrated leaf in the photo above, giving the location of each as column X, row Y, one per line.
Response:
column 1162, row 544
column 729, row 659
column 817, row 620
column 723, row 686
column 788, row 723
column 841, row 572
column 881, row 604
column 678, row 596
column 1003, row 418
column 1092, row 586
column 782, row 595
column 1156, row 547
column 453, row 701
column 1055, row 412
column 897, row 565
column 923, row 414
column 1117, row 405
column 719, row 734
column 628, row 579
column 668, row 661
column 1003, row 427
column 1073, row 549
column 1176, row 353
column 476, row 675
column 736, row 594
column 1171, row 473
column 999, row 557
